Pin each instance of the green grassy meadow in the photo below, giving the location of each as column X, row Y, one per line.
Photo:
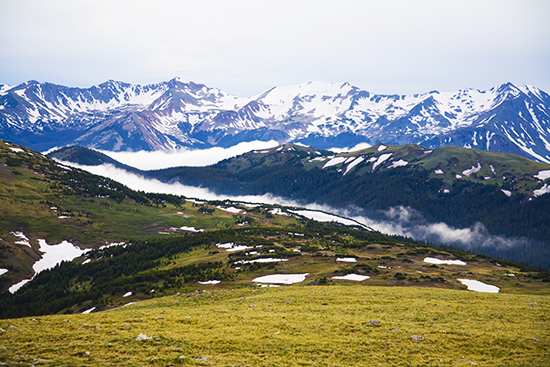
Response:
column 293, row 326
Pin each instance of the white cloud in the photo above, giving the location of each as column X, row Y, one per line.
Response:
column 186, row 157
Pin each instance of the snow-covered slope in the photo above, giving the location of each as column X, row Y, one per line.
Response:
column 174, row 114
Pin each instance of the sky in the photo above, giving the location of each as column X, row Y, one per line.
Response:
column 246, row 47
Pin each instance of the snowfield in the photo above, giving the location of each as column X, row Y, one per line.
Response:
column 477, row 286
column 24, row 239
column 346, row 259
column 432, row 260
column 354, row 277
column 543, row 175
column 284, row 279
column 472, row 170
column 261, row 260
column 53, row 255
column 543, row 190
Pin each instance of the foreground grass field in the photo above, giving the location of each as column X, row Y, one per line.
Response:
column 297, row 325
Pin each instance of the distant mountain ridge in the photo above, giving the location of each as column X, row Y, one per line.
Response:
column 170, row 115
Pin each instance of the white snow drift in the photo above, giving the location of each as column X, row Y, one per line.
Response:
column 477, row 286
column 354, row 277
column 432, row 260
column 285, row 279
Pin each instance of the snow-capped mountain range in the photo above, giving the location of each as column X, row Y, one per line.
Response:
column 174, row 114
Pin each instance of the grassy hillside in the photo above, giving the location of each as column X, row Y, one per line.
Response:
column 294, row 326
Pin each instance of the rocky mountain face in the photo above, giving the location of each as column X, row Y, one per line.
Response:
column 174, row 114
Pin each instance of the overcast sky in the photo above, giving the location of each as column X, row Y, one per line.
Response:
column 246, row 47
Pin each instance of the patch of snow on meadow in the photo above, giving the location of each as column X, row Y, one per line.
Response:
column 53, row 255
column 278, row 211
column 211, row 282
column 334, row 161
column 438, row 172
column 231, row 209
column 14, row 288
column 262, row 260
column 354, row 277
column 3, row 271
column 225, row 245
column 432, row 260
column 472, row 170
column 17, row 150
column 24, row 239
column 543, row 175
column 346, row 259
column 238, row 248
column 543, row 190
column 286, row 279
column 399, row 163
column 381, row 160
column 86, row 261
column 88, row 310
column 381, row 148
column 506, row 192
column 190, row 229
column 127, row 294
column 477, row 286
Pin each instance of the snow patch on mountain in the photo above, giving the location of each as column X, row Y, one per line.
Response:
column 381, row 160
column 354, row 163
column 543, row 190
column 543, row 175
column 399, row 163
column 472, row 170
column 334, row 162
